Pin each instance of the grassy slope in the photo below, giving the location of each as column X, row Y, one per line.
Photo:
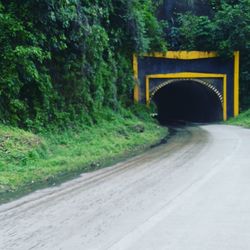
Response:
column 27, row 159
column 242, row 120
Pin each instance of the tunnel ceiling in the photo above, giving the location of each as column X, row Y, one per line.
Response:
column 187, row 101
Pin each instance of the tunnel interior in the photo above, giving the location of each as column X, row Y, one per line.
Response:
column 188, row 101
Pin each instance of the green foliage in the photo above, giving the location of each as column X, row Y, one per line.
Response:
column 65, row 60
column 242, row 120
column 21, row 68
column 227, row 30
column 194, row 31
column 17, row 146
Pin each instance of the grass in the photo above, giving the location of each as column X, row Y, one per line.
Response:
column 242, row 120
column 28, row 161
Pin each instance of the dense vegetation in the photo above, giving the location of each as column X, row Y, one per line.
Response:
column 65, row 60
column 66, row 65
column 225, row 28
column 68, row 60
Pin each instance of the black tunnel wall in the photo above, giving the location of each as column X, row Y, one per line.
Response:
column 151, row 66
column 187, row 101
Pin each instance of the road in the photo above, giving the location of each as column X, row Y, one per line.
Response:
column 192, row 193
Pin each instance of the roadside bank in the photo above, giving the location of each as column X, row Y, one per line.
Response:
column 31, row 161
column 242, row 120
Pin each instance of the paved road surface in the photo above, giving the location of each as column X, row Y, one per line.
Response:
column 190, row 194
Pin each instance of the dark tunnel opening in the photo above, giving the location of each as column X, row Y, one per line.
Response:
column 188, row 101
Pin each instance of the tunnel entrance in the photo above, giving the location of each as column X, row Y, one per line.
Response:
column 187, row 100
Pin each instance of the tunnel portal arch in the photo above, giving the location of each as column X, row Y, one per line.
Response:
column 204, row 79
column 218, row 74
column 199, row 81
column 193, row 100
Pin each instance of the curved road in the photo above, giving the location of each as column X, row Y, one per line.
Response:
column 192, row 193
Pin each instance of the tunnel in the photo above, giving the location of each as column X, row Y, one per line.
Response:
column 189, row 101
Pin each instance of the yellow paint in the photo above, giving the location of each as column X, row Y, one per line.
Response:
column 136, row 93
column 190, row 75
column 186, row 75
column 136, row 88
column 183, row 55
column 225, row 98
column 135, row 66
column 191, row 55
column 147, row 91
column 236, row 82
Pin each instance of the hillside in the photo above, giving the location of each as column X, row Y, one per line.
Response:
column 29, row 161
column 66, row 81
